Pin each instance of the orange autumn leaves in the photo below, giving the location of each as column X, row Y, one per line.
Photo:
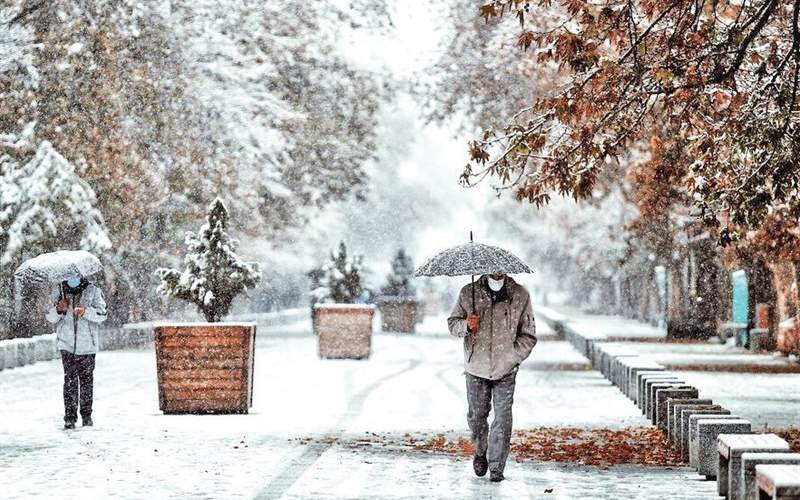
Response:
column 722, row 77
column 596, row 447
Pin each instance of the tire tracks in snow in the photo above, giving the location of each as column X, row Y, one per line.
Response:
column 281, row 483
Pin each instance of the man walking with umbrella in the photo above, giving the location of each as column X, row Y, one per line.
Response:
column 495, row 318
column 76, row 308
column 499, row 333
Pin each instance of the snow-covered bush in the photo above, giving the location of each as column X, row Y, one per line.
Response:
column 398, row 283
column 213, row 274
column 340, row 280
column 44, row 203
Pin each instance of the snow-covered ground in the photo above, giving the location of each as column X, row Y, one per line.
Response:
column 411, row 384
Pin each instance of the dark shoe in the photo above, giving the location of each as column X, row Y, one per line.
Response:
column 480, row 465
column 496, row 476
column 69, row 425
column 87, row 422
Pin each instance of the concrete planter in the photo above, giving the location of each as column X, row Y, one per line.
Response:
column 344, row 331
column 205, row 367
column 398, row 314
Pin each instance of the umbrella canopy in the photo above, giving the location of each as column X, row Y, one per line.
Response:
column 55, row 267
column 471, row 259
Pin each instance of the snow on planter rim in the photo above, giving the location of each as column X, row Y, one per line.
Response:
column 472, row 259
column 344, row 306
column 165, row 323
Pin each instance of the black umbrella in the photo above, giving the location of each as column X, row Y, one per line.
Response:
column 471, row 259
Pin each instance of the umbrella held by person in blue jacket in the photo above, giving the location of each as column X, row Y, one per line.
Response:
column 77, row 308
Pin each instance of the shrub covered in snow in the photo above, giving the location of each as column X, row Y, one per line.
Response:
column 44, row 203
column 339, row 281
column 213, row 274
column 398, row 283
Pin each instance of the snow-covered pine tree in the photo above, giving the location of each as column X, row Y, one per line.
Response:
column 213, row 274
column 341, row 280
column 398, row 283
column 44, row 204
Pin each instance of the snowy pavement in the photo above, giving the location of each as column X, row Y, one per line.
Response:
column 411, row 384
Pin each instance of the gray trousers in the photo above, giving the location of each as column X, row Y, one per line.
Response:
column 481, row 393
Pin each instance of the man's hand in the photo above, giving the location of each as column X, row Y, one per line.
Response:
column 61, row 306
column 472, row 322
column 80, row 309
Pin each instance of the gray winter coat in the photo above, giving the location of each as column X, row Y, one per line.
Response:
column 83, row 339
column 506, row 330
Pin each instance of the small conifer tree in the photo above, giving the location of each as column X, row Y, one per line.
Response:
column 213, row 274
column 340, row 280
column 398, row 283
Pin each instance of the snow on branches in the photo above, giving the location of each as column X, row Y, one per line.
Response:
column 723, row 75
column 44, row 204
column 339, row 281
column 16, row 47
column 213, row 275
column 398, row 283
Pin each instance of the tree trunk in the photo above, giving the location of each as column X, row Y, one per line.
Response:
column 761, row 290
column 706, row 301
column 677, row 320
column 797, row 286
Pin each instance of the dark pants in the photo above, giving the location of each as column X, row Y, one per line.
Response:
column 481, row 393
column 78, row 385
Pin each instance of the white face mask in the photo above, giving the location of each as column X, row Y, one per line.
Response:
column 496, row 285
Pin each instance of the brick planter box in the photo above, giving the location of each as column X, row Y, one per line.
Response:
column 344, row 331
column 398, row 314
column 205, row 367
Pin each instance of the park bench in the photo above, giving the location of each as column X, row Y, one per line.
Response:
column 643, row 378
column 663, row 396
column 749, row 462
column 704, row 446
column 778, row 482
column 730, row 448
column 674, row 407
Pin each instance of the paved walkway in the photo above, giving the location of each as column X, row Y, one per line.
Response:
column 410, row 384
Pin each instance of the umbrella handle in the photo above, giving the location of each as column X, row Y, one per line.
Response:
column 473, row 281
column 473, row 293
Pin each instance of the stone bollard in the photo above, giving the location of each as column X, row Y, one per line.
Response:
column 674, row 407
column 27, row 352
column 609, row 352
column 9, row 350
column 750, row 460
column 691, row 430
column 731, row 447
column 631, row 384
column 645, row 379
column 663, row 396
column 683, row 431
column 41, row 348
column 708, row 430
column 652, row 390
